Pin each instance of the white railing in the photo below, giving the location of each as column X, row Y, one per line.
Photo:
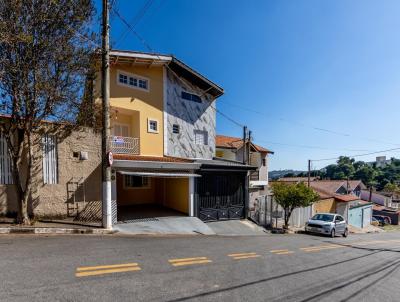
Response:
column 124, row 145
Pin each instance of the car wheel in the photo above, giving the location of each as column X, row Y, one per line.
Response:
column 346, row 233
column 333, row 233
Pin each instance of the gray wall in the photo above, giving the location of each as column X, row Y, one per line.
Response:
column 189, row 116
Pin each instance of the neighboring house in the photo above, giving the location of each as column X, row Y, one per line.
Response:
column 393, row 214
column 163, row 121
column 231, row 148
column 333, row 199
column 357, row 212
column 342, row 187
column 384, row 205
column 67, row 175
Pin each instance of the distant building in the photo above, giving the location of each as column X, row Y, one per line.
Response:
column 380, row 162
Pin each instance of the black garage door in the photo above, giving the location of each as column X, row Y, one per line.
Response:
column 220, row 196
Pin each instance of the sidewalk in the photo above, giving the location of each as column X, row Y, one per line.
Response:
column 7, row 226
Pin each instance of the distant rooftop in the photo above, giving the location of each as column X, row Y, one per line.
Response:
column 230, row 142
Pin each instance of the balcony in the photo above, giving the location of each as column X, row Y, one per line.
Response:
column 255, row 181
column 254, row 175
column 124, row 145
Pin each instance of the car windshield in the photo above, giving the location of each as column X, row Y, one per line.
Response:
column 323, row 217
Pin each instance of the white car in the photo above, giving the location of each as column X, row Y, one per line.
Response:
column 327, row 224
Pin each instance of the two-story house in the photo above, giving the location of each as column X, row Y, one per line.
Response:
column 232, row 148
column 163, row 121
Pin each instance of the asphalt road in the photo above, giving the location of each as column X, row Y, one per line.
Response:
column 200, row 268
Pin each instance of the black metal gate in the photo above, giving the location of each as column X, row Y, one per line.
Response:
column 221, row 196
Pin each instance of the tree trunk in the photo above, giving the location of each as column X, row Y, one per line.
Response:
column 23, row 189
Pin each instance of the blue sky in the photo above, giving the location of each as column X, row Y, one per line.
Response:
column 288, row 67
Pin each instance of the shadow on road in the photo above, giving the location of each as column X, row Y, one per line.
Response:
column 271, row 278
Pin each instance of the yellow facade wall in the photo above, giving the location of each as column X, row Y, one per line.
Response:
column 135, row 196
column 140, row 105
column 177, row 194
column 325, row 206
column 170, row 192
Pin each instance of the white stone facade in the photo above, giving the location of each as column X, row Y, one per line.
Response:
column 189, row 116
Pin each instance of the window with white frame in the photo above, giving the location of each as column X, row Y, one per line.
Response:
column 135, row 182
column 50, row 159
column 152, row 126
column 201, row 137
column 5, row 163
column 133, row 81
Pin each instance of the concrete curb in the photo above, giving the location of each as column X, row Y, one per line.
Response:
column 32, row 230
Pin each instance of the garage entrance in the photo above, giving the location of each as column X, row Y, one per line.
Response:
column 221, row 196
column 151, row 195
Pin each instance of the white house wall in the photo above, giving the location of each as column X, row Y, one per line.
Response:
column 190, row 116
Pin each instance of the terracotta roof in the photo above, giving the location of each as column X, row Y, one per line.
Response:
column 223, row 141
column 346, row 198
column 296, row 179
column 167, row 159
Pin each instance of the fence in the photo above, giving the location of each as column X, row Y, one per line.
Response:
column 269, row 213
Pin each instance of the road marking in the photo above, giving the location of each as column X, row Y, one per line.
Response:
column 90, row 268
column 189, row 261
column 241, row 254
column 281, row 252
column 320, row 248
column 244, row 256
column 106, row 269
column 278, row 251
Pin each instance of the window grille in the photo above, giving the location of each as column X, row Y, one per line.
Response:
column 50, row 159
column 5, row 163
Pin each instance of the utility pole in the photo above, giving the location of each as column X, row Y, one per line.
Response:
column 249, row 147
column 244, row 144
column 105, row 92
column 309, row 172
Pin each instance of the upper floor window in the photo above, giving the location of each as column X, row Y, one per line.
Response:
column 191, row 97
column 50, row 159
column 200, row 137
column 133, row 81
column 175, row 128
column 152, row 126
column 5, row 163
column 264, row 162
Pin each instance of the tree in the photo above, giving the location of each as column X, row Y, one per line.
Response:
column 44, row 57
column 366, row 174
column 292, row 196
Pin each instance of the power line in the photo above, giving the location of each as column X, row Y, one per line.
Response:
column 135, row 20
column 310, row 126
column 143, row 41
column 357, row 155
column 310, row 147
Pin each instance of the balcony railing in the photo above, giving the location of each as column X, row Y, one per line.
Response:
column 124, row 145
